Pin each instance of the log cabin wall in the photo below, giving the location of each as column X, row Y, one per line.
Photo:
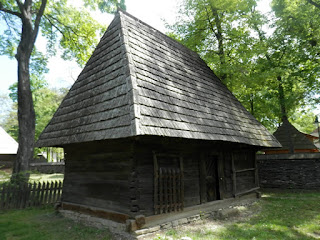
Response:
column 145, row 150
column 100, row 174
column 289, row 171
column 119, row 175
column 193, row 152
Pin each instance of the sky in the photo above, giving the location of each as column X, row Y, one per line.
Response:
column 64, row 73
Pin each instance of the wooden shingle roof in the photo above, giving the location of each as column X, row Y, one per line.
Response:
column 137, row 82
column 292, row 139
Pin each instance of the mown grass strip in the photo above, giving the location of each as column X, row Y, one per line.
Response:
column 44, row 224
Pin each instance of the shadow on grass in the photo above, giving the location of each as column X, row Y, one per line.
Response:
column 44, row 223
column 278, row 215
column 283, row 215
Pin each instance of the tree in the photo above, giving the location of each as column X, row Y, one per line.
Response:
column 218, row 31
column 271, row 73
column 46, row 102
column 73, row 29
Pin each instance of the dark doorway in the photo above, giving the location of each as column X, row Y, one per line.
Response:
column 212, row 179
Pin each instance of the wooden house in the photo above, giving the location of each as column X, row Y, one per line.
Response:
column 8, row 149
column 295, row 165
column 292, row 140
column 149, row 129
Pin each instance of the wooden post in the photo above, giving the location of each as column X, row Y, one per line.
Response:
column 182, row 183
column 55, row 190
column 234, row 176
column 203, row 173
column 256, row 173
column 155, row 180
column 32, row 200
column 161, row 190
column 174, row 182
column 3, row 196
column 59, row 191
column 222, row 183
column 165, row 188
column 179, row 189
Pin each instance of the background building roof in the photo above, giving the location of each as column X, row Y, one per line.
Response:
column 7, row 144
column 291, row 139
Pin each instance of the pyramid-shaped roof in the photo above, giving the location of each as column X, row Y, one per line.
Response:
column 139, row 81
column 7, row 144
column 292, row 139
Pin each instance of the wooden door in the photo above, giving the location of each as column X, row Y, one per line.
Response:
column 212, row 179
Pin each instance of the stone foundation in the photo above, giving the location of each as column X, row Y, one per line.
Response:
column 145, row 227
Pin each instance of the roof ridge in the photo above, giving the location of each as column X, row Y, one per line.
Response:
column 163, row 34
column 131, row 80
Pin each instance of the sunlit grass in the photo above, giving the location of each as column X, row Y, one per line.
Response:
column 289, row 214
column 34, row 177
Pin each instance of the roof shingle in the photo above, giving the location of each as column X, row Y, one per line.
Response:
column 138, row 81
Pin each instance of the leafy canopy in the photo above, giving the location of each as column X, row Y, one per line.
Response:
column 270, row 65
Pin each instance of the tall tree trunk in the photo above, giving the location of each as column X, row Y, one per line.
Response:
column 282, row 100
column 284, row 115
column 220, row 39
column 252, row 104
column 26, row 114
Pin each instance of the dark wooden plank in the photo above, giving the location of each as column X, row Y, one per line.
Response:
column 3, row 196
column 182, row 182
column 234, row 181
column 161, row 191
column 155, row 181
column 165, row 189
column 222, row 182
column 33, row 196
column 174, row 189
column 256, row 173
column 245, row 170
column 247, row 191
column 202, row 167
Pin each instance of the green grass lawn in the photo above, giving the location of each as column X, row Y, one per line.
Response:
column 278, row 215
column 44, row 223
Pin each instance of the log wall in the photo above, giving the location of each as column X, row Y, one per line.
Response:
column 297, row 171
column 119, row 175
column 191, row 153
column 99, row 174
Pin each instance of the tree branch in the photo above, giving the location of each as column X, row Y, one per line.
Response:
column 38, row 18
column 317, row 5
column 9, row 11
column 20, row 5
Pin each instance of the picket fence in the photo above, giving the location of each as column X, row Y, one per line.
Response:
column 29, row 195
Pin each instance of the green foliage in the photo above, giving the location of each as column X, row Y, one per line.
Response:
column 231, row 37
column 46, row 102
column 71, row 28
column 109, row 6
column 303, row 121
column 76, row 31
column 19, row 178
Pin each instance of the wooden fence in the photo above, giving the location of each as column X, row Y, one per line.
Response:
column 29, row 195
